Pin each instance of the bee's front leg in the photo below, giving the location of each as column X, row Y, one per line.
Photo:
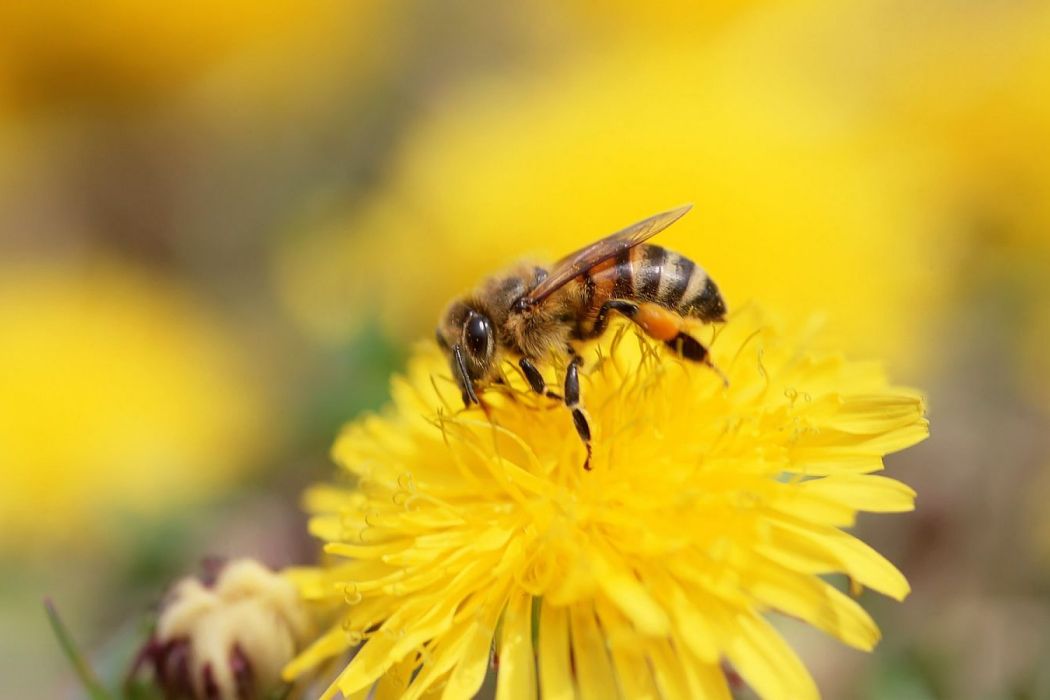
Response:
column 572, row 401
column 535, row 378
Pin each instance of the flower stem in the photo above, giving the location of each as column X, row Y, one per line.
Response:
column 84, row 672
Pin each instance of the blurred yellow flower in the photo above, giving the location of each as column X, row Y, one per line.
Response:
column 122, row 52
column 792, row 204
column 973, row 87
column 623, row 20
column 970, row 83
column 120, row 395
column 707, row 507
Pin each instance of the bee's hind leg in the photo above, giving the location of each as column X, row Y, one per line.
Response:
column 572, row 401
column 688, row 347
column 685, row 345
column 659, row 323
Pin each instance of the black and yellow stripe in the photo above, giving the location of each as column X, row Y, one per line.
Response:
column 655, row 274
column 679, row 273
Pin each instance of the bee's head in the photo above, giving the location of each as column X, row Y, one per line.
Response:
column 469, row 340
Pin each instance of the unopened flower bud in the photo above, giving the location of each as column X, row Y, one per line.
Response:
column 230, row 638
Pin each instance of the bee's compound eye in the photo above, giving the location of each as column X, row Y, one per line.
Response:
column 478, row 332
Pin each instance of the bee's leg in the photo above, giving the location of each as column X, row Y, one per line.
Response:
column 535, row 379
column 659, row 323
column 533, row 375
column 572, row 401
column 601, row 321
column 685, row 345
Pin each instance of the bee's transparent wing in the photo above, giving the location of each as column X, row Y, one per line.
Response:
column 575, row 264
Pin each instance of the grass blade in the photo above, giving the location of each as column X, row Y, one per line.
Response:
column 87, row 676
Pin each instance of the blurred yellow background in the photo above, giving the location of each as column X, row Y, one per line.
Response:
column 222, row 225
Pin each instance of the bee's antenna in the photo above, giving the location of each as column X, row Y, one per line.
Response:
column 469, row 396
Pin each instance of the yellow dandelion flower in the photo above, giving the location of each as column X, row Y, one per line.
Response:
column 707, row 507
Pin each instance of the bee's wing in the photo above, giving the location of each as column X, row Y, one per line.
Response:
column 575, row 264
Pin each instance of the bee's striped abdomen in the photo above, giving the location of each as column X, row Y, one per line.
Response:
column 689, row 290
column 654, row 274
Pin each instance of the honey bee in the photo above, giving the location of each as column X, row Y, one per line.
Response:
column 537, row 315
